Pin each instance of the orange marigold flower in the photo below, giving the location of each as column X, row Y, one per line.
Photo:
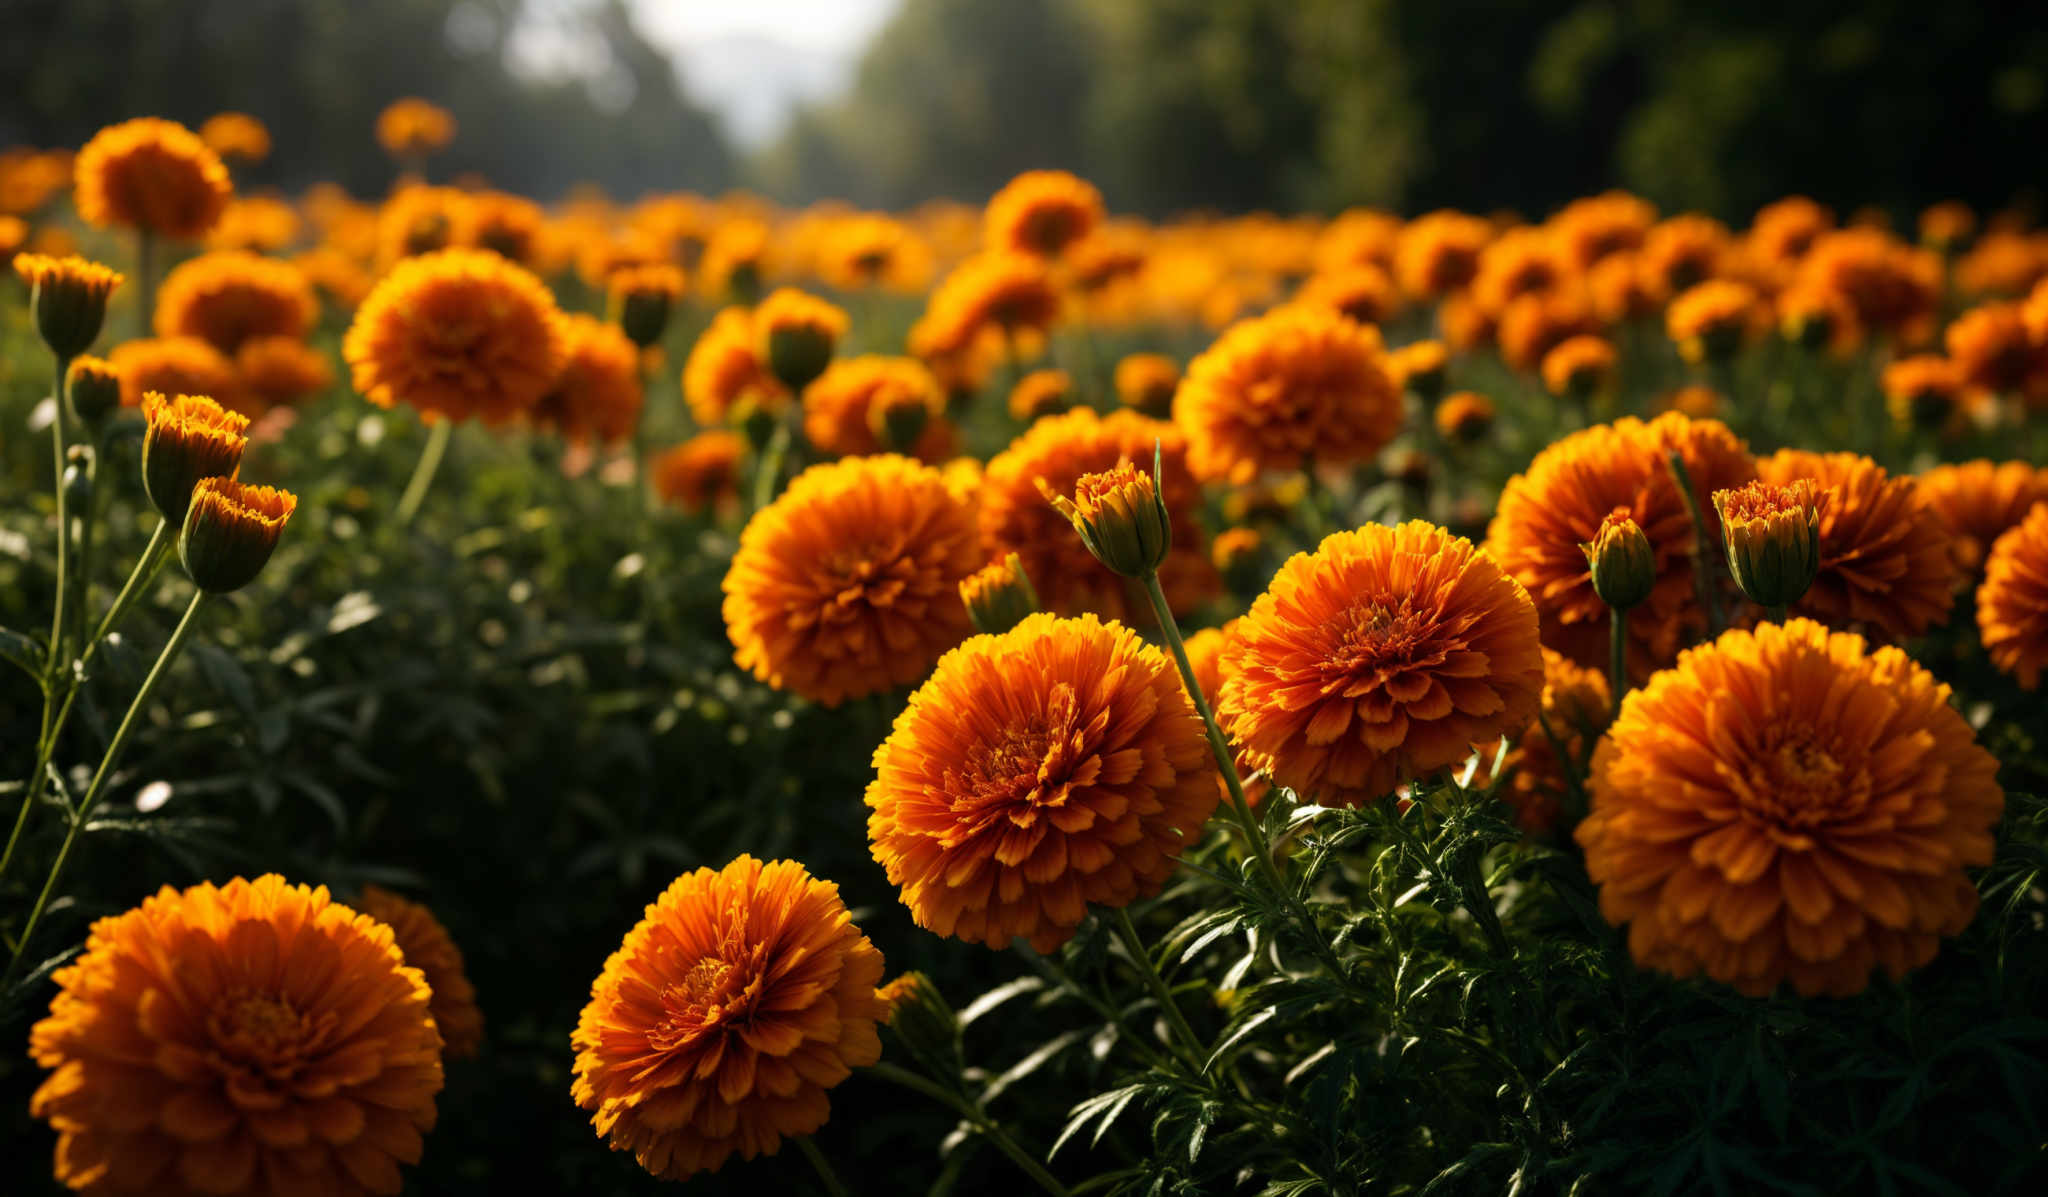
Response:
column 1925, row 391
column 1599, row 226
column 1577, row 704
column 1832, row 799
column 1145, row 383
column 253, row 1038
column 420, row 220
column 798, row 333
column 1979, row 501
column 1711, row 319
column 1056, row 452
column 2003, row 263
column 735, row 258
column 702, row 472
column 340, row 277
column 597, row 395
column 1818, row 316
column 228, row 297
column 153, row 175
column 412, row 127
column 13, row 235
column 1384, row 655
column 1357, row 237
column 1523, row 261
column 1039, row 394
column 1785, row 229
column 1579, row 366
column 1010, row 293
column 1419, row 367
column 1465, row 417
column 1569, row 490
column 1893, row 288
column 1278, row 389
column 1438, row 253
column 1365, row 293
column 1465, row 324
column 1885, row 562
column 236, row 135
column 258, row 224
column 1946, row 225
column 2012, row 603
column 724, row 366
column 1057, row 766
column 874, row 250
column 511, row 226
column 642, row 298
column 849, row 583
column 841, row 408
column 1532, row 325
column 1615, row 291
column 426, row 946
column 1682, row 253
column 1992, row 349
column 176, row 366
column 742, row 996
column 1041, row 213
column 68, row 299
column 279, row 371
column 455, row 334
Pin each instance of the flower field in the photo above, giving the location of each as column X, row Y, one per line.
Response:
column 603, row 693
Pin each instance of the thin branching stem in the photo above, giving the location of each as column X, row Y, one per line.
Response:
column 423, row 473
column 1141, row 958
column 975, row 1117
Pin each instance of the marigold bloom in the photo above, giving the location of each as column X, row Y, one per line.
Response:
column 227, row 298
column 69, row 299
column 1785, row 229
column 1008, row 292
column 177, row 366
column 1772, row 536
column 1992, row 349
column 1615, row 289
column 643, row 296
column 420, row 220
column 278, row 371
column 1384, row 655
column 848, row 584
column 1978, row 501
column 1464, row 417
column 412, row 127
column 1893, row 288
column 1039, row 394
column 1519, row 262
column 426, row 946
column 230, row 532
column 1438, row 253
column 1710, row 320
column 1924, row 391
column 153, row 175
column 1419, row 367
column 1827, row 801
column 1621, row 562
column 1533, row 325
column 735, row 258
column 1365, row 293
column 336, row 275
column 92, row 389
column 1358, row 236
column 13, row 235
column 724, row 366
column 1682, row 253
column 1145, row 383
column 2003, row 263
column 1946, row 225
column 999, row 595
column 1817, row 316
column 1042, row 212
column 840, row 408
column 1570, row 488
column 1118, row 514
column 187, row 438
column 728, row 1011
column 798, row 333
column 874, row 250
column 236, row 135
column 702, row 472
column 1598, row 226
column 2012, row 602
column 1576, row 706
column 1885, row 562
column 258, row 224
column 455, row 334
column 1055, row 452
column 251, row 1039
column 598, row 394
column 1579, row 366
column 1057, row 766
column 1274, row 391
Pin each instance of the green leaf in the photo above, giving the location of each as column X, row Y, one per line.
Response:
column 997, row 996
column 24, row 651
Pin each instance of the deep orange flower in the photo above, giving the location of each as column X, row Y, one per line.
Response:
column 1979, row 501
column 1057, row 451
column 797, row 333
column 254, row 1038
column 257, row 224
column 1041, row 213
column 1682, row 253
column 1946, row 225
column 848, row 584
column 1419, row 367
column 1145, row 383
column 598, row 393
column 1365, row 293
column 229, row 297
column 426, row 946
column 2012, row 603
column 725, row 366
column 511, row 226
column 154, row 175
column 874, row 250
column 1274, row 391
column 279, row 371
column 1056, row 766
column 176, row 366
column 236, row 135
column 1893, row 287
column 1358, row 237
column 1711, row 319
column 1816, row 316
column 1533, row 325
column 1615, row 290
column 1885, row 561
column 1570, row 488
column 1786, row 805
column 336, row 275
column 1992, row 349
column 1599, row 226
column 1438, row 253
column 1577, row 704
column 420, row 220
column 1384, row 655
column 1926, row 391
column 702, row 472
column 725, row 1016
column 840, row 407
column 455, row 334
column 734, row 261
column 1579, row 365
column 67, row 299
column 1785, row 229
column 1524, row 261
column 1464, row 417
column 1465, row 324
column 1010, row 293
column 2003, row 263
column 1039, row 394
column 412, row 127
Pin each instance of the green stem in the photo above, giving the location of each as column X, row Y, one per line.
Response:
column 423, row 473
column 768, row 471
column 1702, row 563
column 822, row 1166
column 1142, row 958
column 56, row 656
column 145, row 281
column 1312, row 502
column 1226, row 763
column 1775, row 612
column 83, row 811
column 974, row 1117
column 1617, row 652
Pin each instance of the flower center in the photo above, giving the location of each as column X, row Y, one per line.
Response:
column 1031, row 768
column 697, row 1004
column 1804, row 782
column 1377, row 634
column 259, row 1030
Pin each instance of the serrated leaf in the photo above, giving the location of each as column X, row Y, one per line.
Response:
column 1238, row 1033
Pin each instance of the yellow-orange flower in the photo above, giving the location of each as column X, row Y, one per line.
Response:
column 1042, row 212
column 1946, row 225
column 229, row 297
column 411, row 127
column 1008, row 292
column 1893, row 288
column 1056, row 766
column 1598, row 226
column 1145, row 383
column 1384, row 655
column 2012, row 603
column 597, row 395
column 1438, row 253
column 1419, row 367
column 1817, row 316
column 253, row 1038
column 840, row 407
column 1992, row 349
column 725, row 366
column 1057, row 451
column 1925, row 391
column 1711, row 319
column 849, row 583
column 1519, row 262
column 259, row 224
column 1682, row 253
column 511, row 226
column 1532, row 325
column 702, row 472
column 236, row 135
column 1039, row 394
column 742, row 996
column 1464, row 417
column 1579, row 365
column 1979, row 501
column 279, row 371
column 154, row 175
column 1885, row 561
column 1274, row 391
column 1577, row 703
column 340, row 277
column 455, row 334
column 176, row 366
column 1785, row 229
column 1786, row 805
column 420, row 220
column 68, row 299
column 1569, row 490
column 1615, row 289
column 1365, row 293
column 426, row 946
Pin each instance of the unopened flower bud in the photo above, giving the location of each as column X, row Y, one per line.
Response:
column 1120, row 517
column 231, row 531
column 1623, row 564
column 998, row 596
column 644, row 296
column 918, row 1015
column 755, row 418
column 93, row 390
column 1236, row 553
column 189, row 438
column 69, row 299
column 1772, row 534
column 798, row 334
column 897, row 418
